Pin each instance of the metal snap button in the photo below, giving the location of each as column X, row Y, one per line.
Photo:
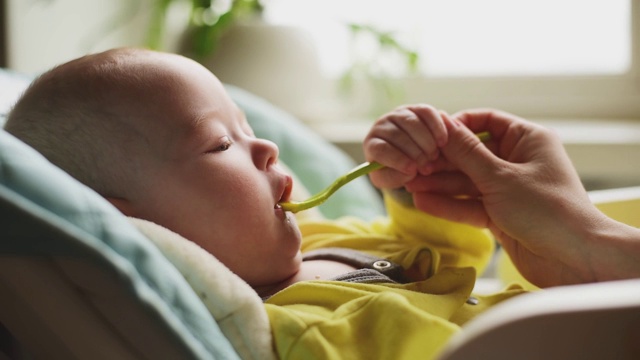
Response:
column 381, row 265
column 473, row 301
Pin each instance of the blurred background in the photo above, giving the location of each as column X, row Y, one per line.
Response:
column 337, row 65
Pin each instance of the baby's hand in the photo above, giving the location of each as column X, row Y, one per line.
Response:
column 406, row 141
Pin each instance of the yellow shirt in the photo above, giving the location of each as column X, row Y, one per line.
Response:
column 341, row 320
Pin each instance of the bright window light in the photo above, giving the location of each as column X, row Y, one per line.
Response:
column 475, row 37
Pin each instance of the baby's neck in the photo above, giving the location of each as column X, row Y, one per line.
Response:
column 309, row 270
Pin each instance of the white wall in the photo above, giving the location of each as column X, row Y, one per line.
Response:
column 43, row 33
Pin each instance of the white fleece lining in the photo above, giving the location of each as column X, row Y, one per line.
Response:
column 237, row 308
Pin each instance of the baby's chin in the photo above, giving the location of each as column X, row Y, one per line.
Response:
column 280, row 280
column 292, row 223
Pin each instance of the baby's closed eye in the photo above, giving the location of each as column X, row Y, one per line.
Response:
column 224, row 144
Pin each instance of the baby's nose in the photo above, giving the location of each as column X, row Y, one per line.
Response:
column 265, row 153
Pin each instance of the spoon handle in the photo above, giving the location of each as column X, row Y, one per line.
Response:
column 319, row 198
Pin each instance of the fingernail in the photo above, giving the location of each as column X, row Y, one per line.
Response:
column 426, row 169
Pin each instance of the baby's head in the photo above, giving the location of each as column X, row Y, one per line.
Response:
column 158, row 136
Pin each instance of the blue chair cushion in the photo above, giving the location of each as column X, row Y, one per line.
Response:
column 72, row 220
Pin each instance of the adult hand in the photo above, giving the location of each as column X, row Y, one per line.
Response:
column 523, row 187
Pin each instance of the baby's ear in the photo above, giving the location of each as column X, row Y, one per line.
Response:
column 121, row 204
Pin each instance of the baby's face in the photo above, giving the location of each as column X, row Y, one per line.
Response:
column 211, row 180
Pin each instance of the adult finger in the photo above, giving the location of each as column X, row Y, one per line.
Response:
column 445, row 183
column 468, row 211
column 465, row 150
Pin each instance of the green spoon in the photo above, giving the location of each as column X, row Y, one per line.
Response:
column 362, row 169
column 322, row 196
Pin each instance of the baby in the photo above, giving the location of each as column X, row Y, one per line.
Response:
column 157, row 135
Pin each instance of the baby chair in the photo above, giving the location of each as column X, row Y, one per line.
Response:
column 78, row 280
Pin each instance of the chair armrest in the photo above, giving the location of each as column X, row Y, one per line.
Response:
column 592, row 321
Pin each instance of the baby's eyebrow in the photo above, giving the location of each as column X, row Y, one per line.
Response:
column 200, row 119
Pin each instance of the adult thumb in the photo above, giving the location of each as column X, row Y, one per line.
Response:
column 469, row 154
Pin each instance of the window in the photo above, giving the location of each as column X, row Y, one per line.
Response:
column 538, row 58
column 503, row 37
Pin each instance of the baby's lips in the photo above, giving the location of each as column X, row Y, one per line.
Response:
column 279, row 169
column 286, row 194
column 286, row 187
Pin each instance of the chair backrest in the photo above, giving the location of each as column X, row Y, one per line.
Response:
column 78, row 281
